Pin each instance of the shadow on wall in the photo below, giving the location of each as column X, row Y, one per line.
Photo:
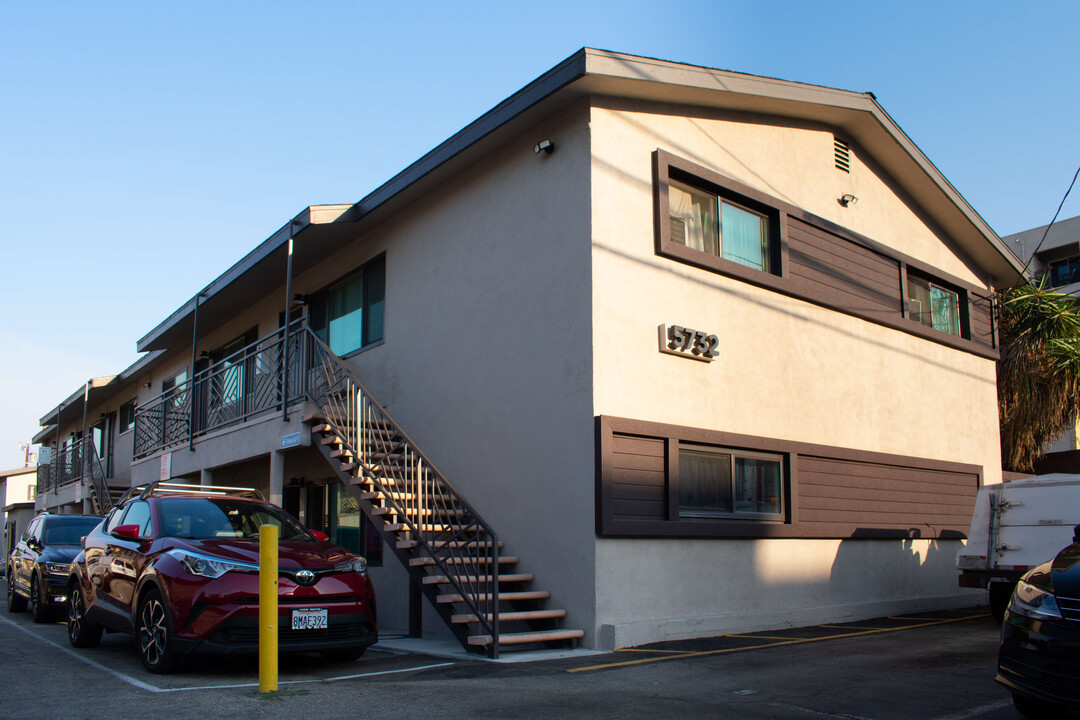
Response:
column 896, row 568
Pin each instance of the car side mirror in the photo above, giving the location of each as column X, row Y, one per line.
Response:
column 1076, row 534
column 127, row 532
column 320, row 536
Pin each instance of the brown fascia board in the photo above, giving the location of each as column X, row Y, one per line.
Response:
column 590, row 72
column 46, row 433
column 160, row 338
column 101, row 389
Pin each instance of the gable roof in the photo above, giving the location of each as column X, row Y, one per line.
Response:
column 591, row 72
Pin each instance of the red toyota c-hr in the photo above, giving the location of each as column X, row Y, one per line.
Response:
column 178, row 566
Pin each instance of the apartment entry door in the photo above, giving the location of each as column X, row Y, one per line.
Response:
column 327, row 506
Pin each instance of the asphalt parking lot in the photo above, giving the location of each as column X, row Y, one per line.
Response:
column 931, row 665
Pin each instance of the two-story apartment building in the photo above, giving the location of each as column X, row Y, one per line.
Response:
column 692, row 351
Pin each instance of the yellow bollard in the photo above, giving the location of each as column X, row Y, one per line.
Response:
column 268, row 608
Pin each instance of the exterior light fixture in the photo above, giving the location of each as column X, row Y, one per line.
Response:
column 847, row 199
column 544, row 146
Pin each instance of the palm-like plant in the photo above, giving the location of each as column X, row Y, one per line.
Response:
column 1039, row 370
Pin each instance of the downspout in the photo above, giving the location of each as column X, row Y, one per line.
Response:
column 55, row 480
column 82, row 448
column 288, row 321
column 191, row 383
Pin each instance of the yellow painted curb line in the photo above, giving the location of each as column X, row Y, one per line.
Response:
column 798, row 641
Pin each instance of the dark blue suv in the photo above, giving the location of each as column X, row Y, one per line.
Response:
column 39, row 565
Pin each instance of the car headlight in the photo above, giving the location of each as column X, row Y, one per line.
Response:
column 56, row 568
column 1033, row 602
column 358, row 565
column 207, row 566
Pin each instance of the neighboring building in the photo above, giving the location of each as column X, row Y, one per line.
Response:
column 709, row 352
column 18, row 488
column 1054, row 255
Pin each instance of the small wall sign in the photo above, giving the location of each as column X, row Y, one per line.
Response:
column 688, row 342
column 166, row 467
column 290, row 440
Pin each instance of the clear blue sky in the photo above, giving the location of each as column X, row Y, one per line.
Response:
column 148, row 146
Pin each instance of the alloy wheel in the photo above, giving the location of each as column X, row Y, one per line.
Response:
column 153, row 631
column 75, row 613
column 15, row 602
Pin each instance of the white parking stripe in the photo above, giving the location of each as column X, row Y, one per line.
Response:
column 976, row 712
column 154, row 689
column 299, row 682
column 82, row 658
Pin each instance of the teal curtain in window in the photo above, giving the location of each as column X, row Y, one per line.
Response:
column 742, row 235
column 346, row 310
column 945, row 310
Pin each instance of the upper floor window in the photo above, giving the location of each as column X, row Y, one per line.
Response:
column 349, row 315
column 1065, row 272
column 127, row 416
column 933, row 305
column 706, row 222
column 716, row 223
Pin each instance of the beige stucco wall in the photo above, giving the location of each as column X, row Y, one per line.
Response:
column 486, row 356
column 787, row 369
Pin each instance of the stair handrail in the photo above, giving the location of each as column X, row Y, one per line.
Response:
column 93, row 470
column 332, row 387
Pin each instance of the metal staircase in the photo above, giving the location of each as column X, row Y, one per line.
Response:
column 452, row 554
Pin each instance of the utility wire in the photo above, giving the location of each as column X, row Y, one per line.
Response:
column 1047, row 231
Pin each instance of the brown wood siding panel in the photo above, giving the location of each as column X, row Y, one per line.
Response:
column 982, row 323
column 835, row 492
column 638, row 479
column 825, row 471
column 639, row 509
column 856, row 277
column 638, row 462
column 821, row 262
column 630, row 445
column 837, row 251
column 824, row 486
column 928, row 526
column 877, row 494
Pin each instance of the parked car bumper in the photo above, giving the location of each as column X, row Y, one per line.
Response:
column 54, row 590
column 240, row 635
column 1041, row 659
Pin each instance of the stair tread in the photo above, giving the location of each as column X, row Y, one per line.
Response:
column 512, row 616
column 509, row 578
column 427, row 561
column 527, row 637
column 484, row 597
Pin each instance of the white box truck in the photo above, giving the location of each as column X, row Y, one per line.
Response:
column 1016, row 526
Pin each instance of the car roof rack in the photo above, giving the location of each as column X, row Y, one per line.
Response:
column 158, row 488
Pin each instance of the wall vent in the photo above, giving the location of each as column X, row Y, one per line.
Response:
column 842, row 154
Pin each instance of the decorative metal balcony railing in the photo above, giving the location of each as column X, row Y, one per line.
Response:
column 247, row 383
column 76, row 463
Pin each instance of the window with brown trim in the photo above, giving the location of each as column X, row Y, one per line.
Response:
column 714, row 222
column 716, row 482
column 660, row 480
column 936, row 305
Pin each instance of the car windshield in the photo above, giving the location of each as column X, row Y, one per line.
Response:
column 68, row 531
column 199, row 518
